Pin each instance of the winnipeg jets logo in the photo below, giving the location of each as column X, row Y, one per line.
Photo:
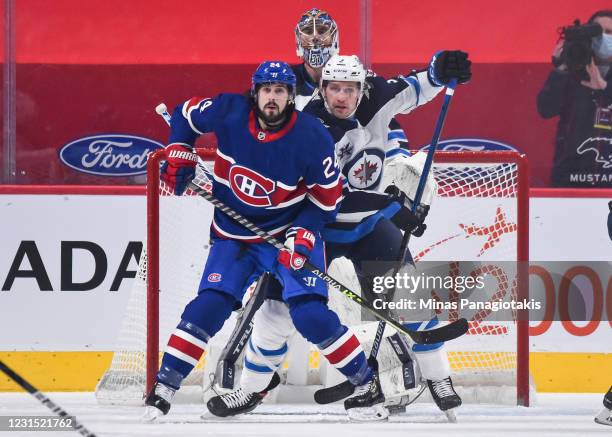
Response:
column 251, row 187
column 493, row 232
column 593, row 145
column 364, row 170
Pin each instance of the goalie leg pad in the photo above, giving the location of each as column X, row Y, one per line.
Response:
column 267, row 347
column 321, row 326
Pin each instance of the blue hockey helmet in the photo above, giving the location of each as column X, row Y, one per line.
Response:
column 274, row 72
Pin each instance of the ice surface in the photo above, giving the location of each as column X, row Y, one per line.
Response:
column 555, row 415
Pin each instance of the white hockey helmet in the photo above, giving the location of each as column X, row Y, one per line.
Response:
column 342, row 68
column 316, row 37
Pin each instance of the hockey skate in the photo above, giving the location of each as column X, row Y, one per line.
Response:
column 158, row 402
column 447, row 400
column 605, row 416
column 238, row 402
column 367, row 403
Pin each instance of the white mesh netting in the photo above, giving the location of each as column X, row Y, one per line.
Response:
column 473, row 219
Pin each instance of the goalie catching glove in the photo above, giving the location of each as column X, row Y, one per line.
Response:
column 405, row 219
column 449, row 64
column 179, row 168
column 401, row 176
column 298, row 245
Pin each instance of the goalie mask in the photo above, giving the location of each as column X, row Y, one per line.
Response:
column 316, row 37
column 344, row 69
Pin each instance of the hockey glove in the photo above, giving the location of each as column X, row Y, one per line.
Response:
column 298, row 245
column 449, row 64
column 179, row 168
column 405, row 219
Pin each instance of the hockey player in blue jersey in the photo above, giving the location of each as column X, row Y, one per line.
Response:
column 276, row 167
column 356, row 109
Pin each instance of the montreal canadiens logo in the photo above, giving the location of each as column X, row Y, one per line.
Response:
column 214, row 277
column 297, row 263
column 251, row 187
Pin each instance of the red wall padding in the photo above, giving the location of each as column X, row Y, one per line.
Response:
column 86, row 68
column 244, row 31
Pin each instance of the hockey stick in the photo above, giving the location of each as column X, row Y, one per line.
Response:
column 447, row 332
column 226, row 364
column 444, row 333
column 162, row 110
column 45, row 400
column 345, row 389
column 450, row 91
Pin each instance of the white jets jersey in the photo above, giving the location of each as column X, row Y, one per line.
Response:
column 362, row 142
column 362, row 146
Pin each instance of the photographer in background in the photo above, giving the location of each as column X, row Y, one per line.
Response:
column 579, row 90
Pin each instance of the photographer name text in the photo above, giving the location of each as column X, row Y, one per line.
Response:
column 465, row 304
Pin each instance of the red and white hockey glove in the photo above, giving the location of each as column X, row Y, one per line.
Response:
column 179, row 168
column 298, row 245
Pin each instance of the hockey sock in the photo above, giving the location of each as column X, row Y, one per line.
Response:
column 203, row 317
column 321, row 326
column 422, row 326
column 259, row 366
column 267, row 347
column 432, row 358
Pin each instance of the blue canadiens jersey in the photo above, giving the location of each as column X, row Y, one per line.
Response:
column 275, row 179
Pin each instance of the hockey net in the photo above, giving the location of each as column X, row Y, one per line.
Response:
column 480, row 214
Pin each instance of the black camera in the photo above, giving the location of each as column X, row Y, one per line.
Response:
column 577, row 50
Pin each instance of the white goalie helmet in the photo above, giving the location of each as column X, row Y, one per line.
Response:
column 316, row 37
column 342, row 68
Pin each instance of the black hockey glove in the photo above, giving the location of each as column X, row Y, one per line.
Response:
column 405, row 219
column 449, row 64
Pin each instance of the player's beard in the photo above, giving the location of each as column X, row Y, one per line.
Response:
column 275, row 119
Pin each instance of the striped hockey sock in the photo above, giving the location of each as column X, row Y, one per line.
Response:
column 345, row 353
column 185, row 348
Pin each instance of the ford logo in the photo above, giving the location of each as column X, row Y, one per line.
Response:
column 471, row 145
column 109, row 155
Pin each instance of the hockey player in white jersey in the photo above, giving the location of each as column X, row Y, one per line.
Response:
column 357, row 110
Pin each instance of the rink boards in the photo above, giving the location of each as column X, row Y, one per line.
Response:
column 73, row 255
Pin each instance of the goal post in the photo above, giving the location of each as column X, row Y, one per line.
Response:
column 513, row 169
